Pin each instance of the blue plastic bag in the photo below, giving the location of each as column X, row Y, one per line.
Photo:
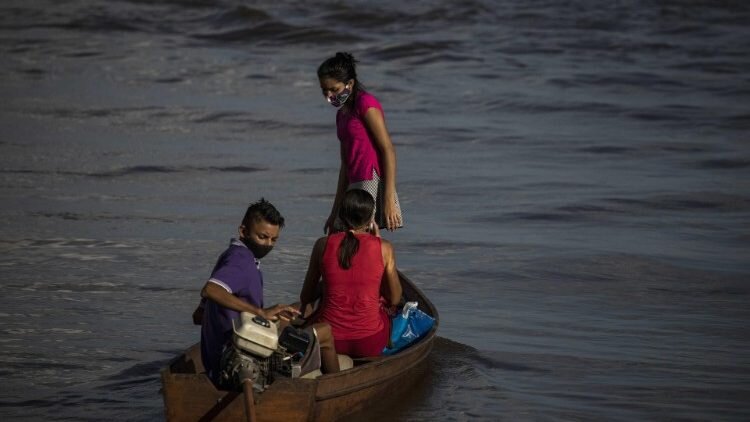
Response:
column 408, row 326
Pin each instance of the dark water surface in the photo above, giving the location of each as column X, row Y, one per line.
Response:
column 575, row 177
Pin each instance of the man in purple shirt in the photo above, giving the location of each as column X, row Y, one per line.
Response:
column 236, row 285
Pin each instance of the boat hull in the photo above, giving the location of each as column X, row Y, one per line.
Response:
column 190, row 396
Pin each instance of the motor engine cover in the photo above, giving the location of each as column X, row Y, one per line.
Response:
column 255, row 335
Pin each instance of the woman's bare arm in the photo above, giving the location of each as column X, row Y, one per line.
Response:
column 376, row 125
column 309, row 293
column 391, row 281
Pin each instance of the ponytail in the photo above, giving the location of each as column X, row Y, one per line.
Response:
column 357, row 208
column 347, row 249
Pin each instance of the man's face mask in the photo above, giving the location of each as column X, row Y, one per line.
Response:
column 338, row 100
column 259, row 238
column 258, row 250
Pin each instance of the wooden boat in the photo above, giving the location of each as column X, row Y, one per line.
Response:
column 190, row 396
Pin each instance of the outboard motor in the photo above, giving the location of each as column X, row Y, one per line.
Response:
column 259, row 354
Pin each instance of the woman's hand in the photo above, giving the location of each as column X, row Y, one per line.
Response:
column 392, row 219
column 373, row 229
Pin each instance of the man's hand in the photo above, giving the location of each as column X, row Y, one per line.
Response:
column 283, row 312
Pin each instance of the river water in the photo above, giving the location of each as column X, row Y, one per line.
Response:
column 574, row 175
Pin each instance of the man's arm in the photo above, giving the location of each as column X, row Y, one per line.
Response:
column 221, row 296
column 198, row 312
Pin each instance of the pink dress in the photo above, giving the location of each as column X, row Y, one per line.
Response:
column 362, row 160
column 359, row 150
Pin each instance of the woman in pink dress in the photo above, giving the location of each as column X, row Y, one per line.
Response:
column 368, row 159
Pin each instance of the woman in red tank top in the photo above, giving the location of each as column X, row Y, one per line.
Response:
column 352, row 273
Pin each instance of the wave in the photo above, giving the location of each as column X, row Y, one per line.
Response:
column 693, row 201
column 608, row 149
column 459, row 356
column 277, row 32
column 629, row 79
column 58, row 243
column 531, row 105
column 724, row 164
column 240, row 15
column 412, row 49
column 613, row 207
column 161, row 117
column 140, row 170
column 82, row 286
column 534, row 216
column 139, row 370
column 648, row 149
column 101, row 217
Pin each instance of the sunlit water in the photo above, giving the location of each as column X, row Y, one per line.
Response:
column 575, row 178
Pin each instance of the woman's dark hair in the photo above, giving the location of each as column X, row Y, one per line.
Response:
column 356, row 210
column 343, row 68
column 262, row 211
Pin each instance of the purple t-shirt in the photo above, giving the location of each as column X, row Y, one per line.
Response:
column 237, row 271
column 359, row 150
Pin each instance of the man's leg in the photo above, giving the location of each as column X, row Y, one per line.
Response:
column 329, row 361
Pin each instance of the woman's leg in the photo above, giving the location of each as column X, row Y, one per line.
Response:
column 329, row 361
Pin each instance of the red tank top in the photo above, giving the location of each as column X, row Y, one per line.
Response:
column 351, row 302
